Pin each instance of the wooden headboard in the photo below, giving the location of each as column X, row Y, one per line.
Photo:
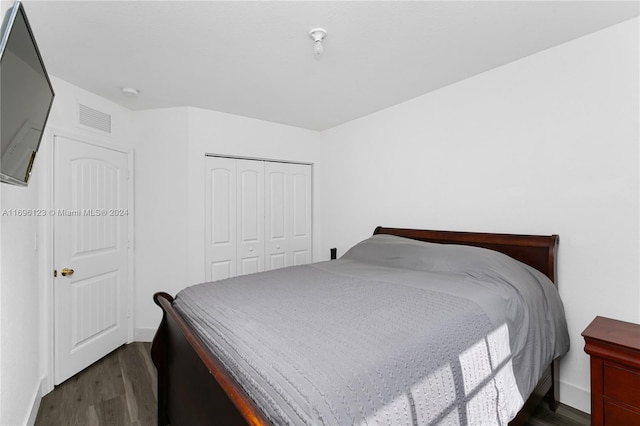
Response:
column 538, row 251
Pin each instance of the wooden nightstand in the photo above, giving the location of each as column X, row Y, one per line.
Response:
column 614, row 347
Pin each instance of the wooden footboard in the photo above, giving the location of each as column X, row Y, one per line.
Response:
column 195, row 389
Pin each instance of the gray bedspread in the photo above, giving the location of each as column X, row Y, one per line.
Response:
column 396, row 332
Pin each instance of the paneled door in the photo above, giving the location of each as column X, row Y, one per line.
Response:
column 300, row 214
column 220, row 218
column 91, row 254
column 257, row 216
column 250, row 216
column 277, row 215
column 287, row 214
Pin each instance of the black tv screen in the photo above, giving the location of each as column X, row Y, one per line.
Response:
column 26, row 96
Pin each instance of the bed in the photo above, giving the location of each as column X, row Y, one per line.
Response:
column 221, row 358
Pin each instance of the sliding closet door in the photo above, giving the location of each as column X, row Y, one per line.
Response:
column 220, row 219
column 277, row 215
column 250, row 215
column 287, row 214
column 258, row 216
column 300, row 213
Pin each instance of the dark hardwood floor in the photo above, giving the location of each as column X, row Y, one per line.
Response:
column 120, row 390
column 564, row 416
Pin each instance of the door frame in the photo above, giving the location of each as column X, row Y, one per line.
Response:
column 46, row 229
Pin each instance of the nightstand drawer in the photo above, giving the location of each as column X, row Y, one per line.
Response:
column 616, row 415
column 622, row 384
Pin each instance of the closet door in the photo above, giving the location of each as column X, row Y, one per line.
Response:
column 301, row 228
column 287, row 214
column 257, row 217
column 250, row 216
column 278, row 193
column 220, row 218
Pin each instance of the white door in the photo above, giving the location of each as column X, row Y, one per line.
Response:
column 220, row 221
column 250, row 214
column 91, row 239
column 301, row 213
column 277, row 215
column 287, row 214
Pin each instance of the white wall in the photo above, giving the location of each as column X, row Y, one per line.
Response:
column 547, row 144
column 19, row 300
column 161, row 211
column 20, row 308
column 170, row 156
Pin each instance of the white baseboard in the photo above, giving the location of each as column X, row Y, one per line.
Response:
column 143, row 334
column 575, row 396
column 35, row 404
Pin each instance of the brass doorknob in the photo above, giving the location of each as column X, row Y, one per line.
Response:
column 66, row 271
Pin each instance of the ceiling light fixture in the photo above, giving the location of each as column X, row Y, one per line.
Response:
column 130, row 92
column 317, row 35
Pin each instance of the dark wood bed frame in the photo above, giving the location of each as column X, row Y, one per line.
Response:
column 195, row 389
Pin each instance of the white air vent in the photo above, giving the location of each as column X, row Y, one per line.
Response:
column 93, row 118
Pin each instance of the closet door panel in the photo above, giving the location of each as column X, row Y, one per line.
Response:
column 220, row 220
column 250, row 216
column 301, row 213
column 277, row 215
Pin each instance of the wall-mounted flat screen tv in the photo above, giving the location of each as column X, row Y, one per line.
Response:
column 26, row 96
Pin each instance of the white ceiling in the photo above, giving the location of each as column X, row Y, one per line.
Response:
column 255, row 58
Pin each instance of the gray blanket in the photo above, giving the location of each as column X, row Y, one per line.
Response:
column 396, row 332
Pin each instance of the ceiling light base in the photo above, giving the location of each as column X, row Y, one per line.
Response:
column 130, row 92
column 317, row 35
